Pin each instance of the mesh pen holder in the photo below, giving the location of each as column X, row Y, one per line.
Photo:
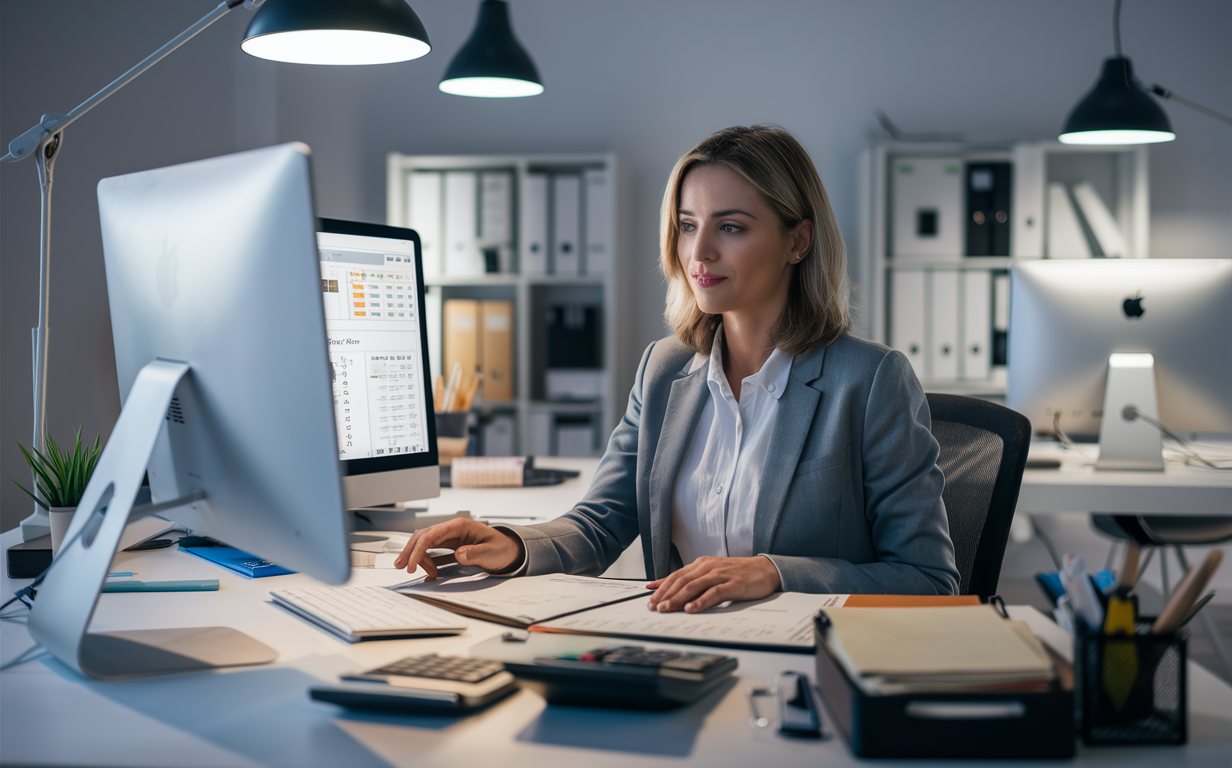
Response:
column 1131, row 688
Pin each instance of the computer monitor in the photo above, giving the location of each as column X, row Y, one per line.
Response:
column 1069, row 318
column 214, row 288
column 373, row 291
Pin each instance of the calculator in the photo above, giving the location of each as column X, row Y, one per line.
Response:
column 625, row 677
column 422, row 684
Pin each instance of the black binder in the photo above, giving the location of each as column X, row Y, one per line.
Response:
column 988, row 209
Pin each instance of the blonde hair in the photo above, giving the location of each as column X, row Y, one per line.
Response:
column 772, row 160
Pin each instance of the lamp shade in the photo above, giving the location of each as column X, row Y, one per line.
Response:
column 336, row 32
column 1117, row 111
column 492, row 62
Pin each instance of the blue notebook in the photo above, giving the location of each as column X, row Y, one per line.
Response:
column 238, row 561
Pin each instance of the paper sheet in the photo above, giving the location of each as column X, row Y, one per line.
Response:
column 783, row 620
column 527, row 599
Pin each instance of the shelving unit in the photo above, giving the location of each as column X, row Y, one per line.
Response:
column 1119, row 174
column 537, row 419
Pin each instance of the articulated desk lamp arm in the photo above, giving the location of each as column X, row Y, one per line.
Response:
column 44, row 141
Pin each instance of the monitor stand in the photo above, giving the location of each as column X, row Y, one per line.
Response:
column 69, row 593
column 1130, row 443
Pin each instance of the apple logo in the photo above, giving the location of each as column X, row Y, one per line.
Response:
column 1133, row 307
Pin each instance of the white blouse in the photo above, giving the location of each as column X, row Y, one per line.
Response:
column 716, row 490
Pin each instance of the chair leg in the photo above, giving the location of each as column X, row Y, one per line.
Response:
column 1048, row 545
column 1113, row 548
column 1146, row 560
column 1208, row 624
column 1163, row 572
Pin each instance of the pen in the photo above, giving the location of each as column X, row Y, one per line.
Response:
column 1197, row 607
column 1186, row 593
column 194, row 585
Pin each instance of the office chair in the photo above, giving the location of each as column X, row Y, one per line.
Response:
column 983, row 454
column 1176, row 531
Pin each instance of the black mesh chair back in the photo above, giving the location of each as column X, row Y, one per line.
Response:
column 983, row 454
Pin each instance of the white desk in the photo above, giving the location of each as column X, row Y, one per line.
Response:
column 262, row 716
column 1077, row 487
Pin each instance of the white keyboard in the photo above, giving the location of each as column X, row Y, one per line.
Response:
column 357, row 613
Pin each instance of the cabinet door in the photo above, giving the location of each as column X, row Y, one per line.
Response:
column 907, row 316
column 943, row 348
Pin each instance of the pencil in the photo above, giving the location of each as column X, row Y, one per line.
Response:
column 469, row 398
column 451, row 389
column 438, row 393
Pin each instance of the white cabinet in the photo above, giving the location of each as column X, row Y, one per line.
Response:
column 538, row 231
column 932, row 250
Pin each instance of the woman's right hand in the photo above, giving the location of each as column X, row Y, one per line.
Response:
column 473, row 543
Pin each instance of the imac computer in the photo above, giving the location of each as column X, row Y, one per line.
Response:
column 1095, row 344
column 214, row 283
column 373, row 295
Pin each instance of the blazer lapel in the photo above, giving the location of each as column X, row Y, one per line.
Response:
column 797, row 407
column 684, row 407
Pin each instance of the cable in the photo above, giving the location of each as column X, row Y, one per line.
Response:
column 1116, row 27
column 1060, row 433
column 29, row 591
column 1129, row 413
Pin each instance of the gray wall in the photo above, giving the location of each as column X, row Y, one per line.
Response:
column 644, row 78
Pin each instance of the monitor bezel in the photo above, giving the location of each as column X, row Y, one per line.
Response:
column 429, row 458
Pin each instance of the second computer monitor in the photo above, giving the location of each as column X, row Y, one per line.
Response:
column 373, row 289
column 1068, row 317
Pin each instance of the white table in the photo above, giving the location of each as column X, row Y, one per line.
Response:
column 262, row 715
column 1078, row 487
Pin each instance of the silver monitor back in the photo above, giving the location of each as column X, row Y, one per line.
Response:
column 1067, row 317
column 214, row 263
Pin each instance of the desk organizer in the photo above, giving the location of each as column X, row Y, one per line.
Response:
column 945, row 725
column 1131, row 690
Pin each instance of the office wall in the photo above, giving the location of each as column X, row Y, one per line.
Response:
column 645, row 78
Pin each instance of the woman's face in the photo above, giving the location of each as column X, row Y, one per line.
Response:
column 732, row 247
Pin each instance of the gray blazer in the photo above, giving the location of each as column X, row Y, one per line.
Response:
column 851, row 500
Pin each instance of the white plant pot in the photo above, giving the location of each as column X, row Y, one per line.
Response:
column 61, row 518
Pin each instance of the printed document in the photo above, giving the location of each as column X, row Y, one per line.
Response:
column 782, row 621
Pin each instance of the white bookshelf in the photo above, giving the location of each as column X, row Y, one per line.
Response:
column 532, row 295
column 1118, row 173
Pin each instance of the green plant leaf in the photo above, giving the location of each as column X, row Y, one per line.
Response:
column 37, row 500
column 61, row 476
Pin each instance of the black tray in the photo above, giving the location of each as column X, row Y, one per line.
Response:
column 1020, row 725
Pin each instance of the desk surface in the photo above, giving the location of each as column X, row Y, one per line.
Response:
column 1078, row 487
column 261, row 716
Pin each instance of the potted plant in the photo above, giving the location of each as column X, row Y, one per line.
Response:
column 60, row 479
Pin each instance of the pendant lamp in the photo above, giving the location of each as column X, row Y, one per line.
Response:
column 492, row 63
column 336, row 32
column 1117, row 110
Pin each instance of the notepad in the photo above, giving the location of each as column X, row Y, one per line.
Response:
column 937, row 649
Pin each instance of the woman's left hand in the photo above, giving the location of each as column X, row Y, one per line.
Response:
column 708, row 581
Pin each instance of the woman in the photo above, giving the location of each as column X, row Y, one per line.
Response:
column 763, row 448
